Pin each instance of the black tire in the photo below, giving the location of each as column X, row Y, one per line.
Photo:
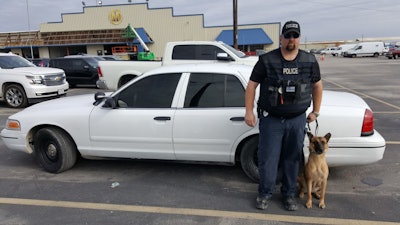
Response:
column 55, row 150
column 249, row 159
column 15, row 96
column 376, row 54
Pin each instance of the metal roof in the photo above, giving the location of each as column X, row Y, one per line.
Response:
column 255, row 36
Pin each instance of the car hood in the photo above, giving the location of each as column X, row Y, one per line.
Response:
column 62, row 106
column 250, row 60
column 37, row 70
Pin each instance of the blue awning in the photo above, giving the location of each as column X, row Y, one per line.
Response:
column 142, row 33
column 255, row 36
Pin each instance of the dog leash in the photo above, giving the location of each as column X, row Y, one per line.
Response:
column 316, row 127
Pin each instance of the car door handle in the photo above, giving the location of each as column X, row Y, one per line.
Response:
column 162, row 118
column 240, row 118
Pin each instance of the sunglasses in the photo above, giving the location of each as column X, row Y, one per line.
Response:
column 293, row 35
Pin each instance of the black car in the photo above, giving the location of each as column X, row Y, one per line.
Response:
column 79, row 69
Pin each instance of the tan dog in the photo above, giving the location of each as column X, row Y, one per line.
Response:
column 316, row 171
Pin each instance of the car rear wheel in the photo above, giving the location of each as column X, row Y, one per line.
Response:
column 54, row 149
column 249, row 159
column 15, row 96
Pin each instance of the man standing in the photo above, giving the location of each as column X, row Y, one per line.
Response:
column 289, row 80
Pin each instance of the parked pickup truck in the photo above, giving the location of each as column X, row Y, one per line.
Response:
column 22, row 83
column 114, row 74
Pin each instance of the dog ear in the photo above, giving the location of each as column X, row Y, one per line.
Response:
column 310, row 135
column 327, row 136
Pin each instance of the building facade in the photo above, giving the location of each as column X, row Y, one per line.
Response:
column 99, row 30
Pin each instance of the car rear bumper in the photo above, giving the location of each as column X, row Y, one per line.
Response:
column 355, row 151
column 101, row 84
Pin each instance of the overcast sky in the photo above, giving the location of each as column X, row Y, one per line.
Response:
column 320, row 20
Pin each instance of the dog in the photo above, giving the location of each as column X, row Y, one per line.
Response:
column 314, row 178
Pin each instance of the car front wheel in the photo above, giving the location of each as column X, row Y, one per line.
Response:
column 15, row 96
column 249, row 159
column 54, row 149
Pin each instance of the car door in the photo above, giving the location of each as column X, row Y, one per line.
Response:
column 211, row 119
column 81, row 73
column 141, row 124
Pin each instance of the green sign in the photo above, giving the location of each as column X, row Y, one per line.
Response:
column 129, row 32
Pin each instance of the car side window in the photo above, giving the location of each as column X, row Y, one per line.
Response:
column 63, row 64
column 207, row 90
column 155, row 91
column 78, row 63
column 196, row 52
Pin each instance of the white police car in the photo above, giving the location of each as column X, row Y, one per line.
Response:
column 184, row 112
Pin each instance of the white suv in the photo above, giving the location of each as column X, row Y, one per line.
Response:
column 22, row 83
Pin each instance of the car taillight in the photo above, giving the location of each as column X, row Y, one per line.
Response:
column 99, row 72
column 368, row 123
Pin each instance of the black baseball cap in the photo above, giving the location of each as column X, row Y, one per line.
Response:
column 291, row 26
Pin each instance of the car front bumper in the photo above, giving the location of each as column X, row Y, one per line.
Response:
column 15, row 140
column 42, row 91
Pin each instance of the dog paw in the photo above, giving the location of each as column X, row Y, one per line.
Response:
column 308, row 205
column 322, row 205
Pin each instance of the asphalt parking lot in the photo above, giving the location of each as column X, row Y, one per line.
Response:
column 153, row 192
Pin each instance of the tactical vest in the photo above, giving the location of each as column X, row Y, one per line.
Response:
column 286, row 90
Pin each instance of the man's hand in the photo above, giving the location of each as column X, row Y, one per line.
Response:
column 311, row 117
column 250, row 119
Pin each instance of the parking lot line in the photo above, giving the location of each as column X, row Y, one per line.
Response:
column 362, row 94
column 188, row 212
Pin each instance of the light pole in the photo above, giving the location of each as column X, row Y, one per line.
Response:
column 29, row 28
column 235, row 24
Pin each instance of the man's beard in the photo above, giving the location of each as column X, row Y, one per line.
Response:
column 290, row 47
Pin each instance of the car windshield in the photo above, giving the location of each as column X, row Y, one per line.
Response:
column 13, row 61
column 234, row 51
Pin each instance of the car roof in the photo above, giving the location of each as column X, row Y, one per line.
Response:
column 244, row 70
column 5, row 54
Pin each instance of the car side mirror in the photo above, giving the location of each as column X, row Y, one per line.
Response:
column 223, row 56
column 110, row 103
column 98, row 97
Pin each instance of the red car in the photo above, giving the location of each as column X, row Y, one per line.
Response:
column 393, row 53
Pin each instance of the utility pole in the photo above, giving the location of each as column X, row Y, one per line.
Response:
column 235, row 24
column 29, row 29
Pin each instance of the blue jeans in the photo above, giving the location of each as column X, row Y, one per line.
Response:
column 280, row 145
